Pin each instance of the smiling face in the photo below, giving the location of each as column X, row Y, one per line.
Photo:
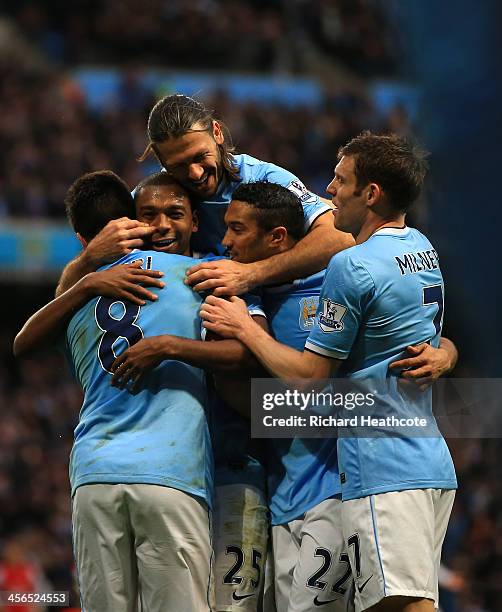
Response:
column 168, row 209
column 194, row 159
column 350, row 202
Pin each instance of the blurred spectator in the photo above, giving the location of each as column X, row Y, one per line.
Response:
column 50, row 136
column 20, row 573
column 223, row 34
column 40, row 405
column 354, row 32
column 91, row 31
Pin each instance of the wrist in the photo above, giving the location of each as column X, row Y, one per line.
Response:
column 448, row 360
column 86, row 286
column 248, row 331
column 256, row 274
column 165, row 348
column 88, row 262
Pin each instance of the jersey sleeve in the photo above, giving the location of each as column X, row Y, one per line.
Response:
column 345, row 294
column 313, row 207
column 254, row 304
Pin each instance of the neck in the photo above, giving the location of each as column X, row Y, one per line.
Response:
column 374, row 223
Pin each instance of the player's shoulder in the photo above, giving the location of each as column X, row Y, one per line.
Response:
column 378, row 256
column 243, row 160
column 420, row 238
column 372, row 254
column 386, row 244
column 351, row 256
column 382, row 244
column 351, row 268
column 310, row 283
column 253, row 169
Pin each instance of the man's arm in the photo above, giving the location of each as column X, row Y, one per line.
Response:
column 122, row 282
column 309, row 255
column 230, row 319
column 214, row 355
column 118, row 238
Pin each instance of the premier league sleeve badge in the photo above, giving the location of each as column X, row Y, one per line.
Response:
column 330, row 320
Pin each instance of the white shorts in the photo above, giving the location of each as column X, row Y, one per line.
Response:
column 311, row 566
column 240, row 533
column 141, row 543
column 394, row 543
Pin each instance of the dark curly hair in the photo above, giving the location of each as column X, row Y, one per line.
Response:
column 160, row 179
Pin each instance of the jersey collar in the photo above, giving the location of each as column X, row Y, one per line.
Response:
column 392, row 231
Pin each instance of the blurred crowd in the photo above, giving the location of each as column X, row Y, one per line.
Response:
column 215, row 34
column 40, row 405
column 49, row 136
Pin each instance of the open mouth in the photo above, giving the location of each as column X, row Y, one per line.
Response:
column 201, row 182
column 163, row 244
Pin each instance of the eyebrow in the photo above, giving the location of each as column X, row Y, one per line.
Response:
column 187, row 158
column 150, row 208
column 232, row 222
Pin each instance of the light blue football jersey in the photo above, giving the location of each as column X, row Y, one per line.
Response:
column 211, row 212
column 377, row 298
column 301, row 472
column 158, row 435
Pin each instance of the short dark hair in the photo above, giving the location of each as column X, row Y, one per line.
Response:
column 174, row 116
column 395, row 163
column 96, row 198
column 275, row 206
column 159, row 179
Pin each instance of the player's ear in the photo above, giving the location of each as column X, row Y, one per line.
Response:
column 82, row 240
column 278, row 236
column 218, row 133
column 374, row 193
